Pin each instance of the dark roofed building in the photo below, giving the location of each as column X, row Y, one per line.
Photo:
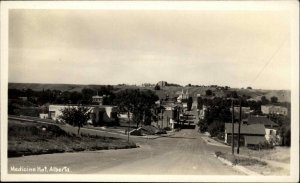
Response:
column 251, row 135
column 254, row 129
column 270, row 127
column 262, row 120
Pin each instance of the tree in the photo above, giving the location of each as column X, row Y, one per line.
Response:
column 157, row 87
column 234, row 94
column 75, row 116
column 138, row 102
column 87, row 95
column 249, row 88
column 189, row 103
column 208, row 92
column 264, row 100
column 274, row 99
column 215, row 127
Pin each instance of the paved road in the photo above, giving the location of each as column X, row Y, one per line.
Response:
column 185, row 153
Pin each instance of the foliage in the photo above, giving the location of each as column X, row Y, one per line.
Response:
column 274, row 99
column 234, row 94
column 157, row 87
column 172, row 84
column 202, row 125
column 66, row 97
column 208, row 92
column 75, row 116
column 189, row 103
column 215, row 127
column 285, row 133
column 264, row 100
column 141, row 103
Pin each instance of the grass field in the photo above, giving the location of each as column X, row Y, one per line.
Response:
column 26, row 138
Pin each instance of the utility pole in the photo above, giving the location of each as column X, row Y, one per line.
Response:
column 143, row 118
column 128, row 128
column 162, row 118
column 239, row 130
column 232, row 131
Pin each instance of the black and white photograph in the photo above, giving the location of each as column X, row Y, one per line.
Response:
column 185, row 91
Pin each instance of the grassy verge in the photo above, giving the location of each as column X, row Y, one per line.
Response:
column 243, row 161
column 25, row 138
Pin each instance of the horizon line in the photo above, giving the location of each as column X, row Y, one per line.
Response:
column 200, row 85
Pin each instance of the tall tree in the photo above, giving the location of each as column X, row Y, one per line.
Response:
column 140, row 103
column 274, row 99
column 264, row 100
column 189, row 103
column 75, row 116
column 208, row 93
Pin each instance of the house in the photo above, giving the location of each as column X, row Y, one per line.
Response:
column 270, row 127
column 272, row 109
column 99, row 114
column 250, row 135
column 245, row 112
column 183, row 97
column 170, row 115
column 44, row 115
column 98, row 99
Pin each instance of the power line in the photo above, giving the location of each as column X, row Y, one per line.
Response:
column 269, row 61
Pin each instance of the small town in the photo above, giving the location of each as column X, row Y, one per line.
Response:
column 210, row 118
column 142, row 91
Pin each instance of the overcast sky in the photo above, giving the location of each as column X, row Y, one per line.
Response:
column 134, row 47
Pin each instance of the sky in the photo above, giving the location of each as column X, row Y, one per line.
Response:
column 227, row 48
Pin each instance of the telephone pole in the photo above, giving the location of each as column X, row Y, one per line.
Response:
column 232, row 131
column 128, row 128
column 239, row 130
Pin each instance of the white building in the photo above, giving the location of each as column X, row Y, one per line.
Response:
column 99, row 114
column 272, row 109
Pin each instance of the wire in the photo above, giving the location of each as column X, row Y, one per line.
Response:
column 269, row 61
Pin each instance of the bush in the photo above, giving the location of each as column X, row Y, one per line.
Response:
column 167, row 128
column 218, row 153
column 202, row 126
column 221, row 135
column 215, row 128
column 157, row 87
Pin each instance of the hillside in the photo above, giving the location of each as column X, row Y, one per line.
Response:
column 172, row 91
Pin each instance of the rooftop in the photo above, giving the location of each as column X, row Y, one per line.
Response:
column 253, row 129
column 261, row 120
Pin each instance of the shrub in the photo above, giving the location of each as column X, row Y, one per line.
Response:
column 215, row 127
column 218, row 153
column 167, row 128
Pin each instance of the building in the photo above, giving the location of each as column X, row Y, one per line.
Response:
column 270, row 127
column 44, row 115
column 170, row 115
column 98, row 99
column 272, row 109
column 99, row 114
column 162, row 83
column 250, row 135
column 183, row 97
column 245, row 112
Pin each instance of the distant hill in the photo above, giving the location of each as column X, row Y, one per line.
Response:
column 172, row 91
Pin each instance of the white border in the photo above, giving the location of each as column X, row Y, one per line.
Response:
column 292, row 6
